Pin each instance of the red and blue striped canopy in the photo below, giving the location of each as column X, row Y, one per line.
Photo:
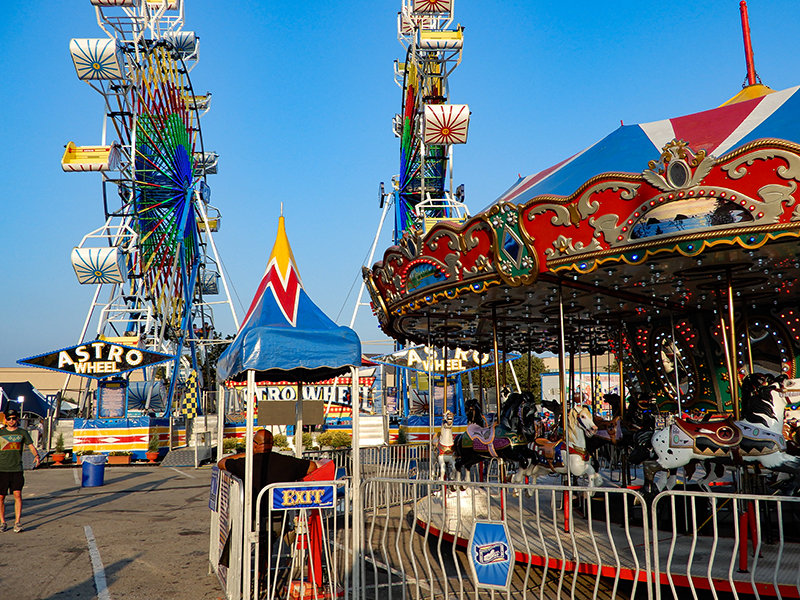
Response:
column 285, row 336
column 631, row 147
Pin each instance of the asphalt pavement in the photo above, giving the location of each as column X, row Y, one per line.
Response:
column 143, row 535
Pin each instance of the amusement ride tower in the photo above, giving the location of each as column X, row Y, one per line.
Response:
column 153, row 261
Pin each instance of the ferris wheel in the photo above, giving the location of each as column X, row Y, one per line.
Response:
column 428, row 125
column 154, row 256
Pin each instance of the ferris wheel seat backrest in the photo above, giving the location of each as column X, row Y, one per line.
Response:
column 170, row 4
column 99, row 265
column 440, row 40
column 80, row 159
column 184, row 42
column 97, row 59
column 432, row 6
column 109, row 3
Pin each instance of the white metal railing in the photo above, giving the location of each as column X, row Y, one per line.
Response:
column 560, row 547
column 227, row 535
column 303, row 552
column 577, row 542
column 735, row 543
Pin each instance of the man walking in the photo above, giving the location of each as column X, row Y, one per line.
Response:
column 12, row 441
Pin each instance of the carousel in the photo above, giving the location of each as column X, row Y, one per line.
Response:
column 672, row 245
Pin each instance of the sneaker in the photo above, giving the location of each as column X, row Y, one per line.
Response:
column 17, row 527
column 3, row 527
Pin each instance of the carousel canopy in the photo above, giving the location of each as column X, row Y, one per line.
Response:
column 629, row 148
column 285, row 336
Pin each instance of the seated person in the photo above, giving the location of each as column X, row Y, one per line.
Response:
column 268, row 467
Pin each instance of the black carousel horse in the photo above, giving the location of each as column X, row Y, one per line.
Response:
column 507, row 437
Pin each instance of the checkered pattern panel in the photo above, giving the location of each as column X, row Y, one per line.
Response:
column 190, row 396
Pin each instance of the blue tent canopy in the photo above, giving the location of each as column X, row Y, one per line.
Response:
column 34, row 402
column 285, row 336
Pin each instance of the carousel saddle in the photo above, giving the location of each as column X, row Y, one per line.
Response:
column 610, row 430
column 548, row 450
column 487, row 439
column 723, row 432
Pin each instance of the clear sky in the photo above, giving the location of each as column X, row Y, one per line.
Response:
column 303, row 98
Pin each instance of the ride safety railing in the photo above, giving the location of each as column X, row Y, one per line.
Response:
column 474, row 540
column 400, row 536
column 741, row 544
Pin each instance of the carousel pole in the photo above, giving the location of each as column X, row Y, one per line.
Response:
column 747, row 337
column 562, row 352
column 593, row 375
column 734, row 372
column 444, row 400
column 505, row 360
column 496, row 359
column 726, row 350
column 530, row 351
column 480, row 379
column 624, row 477
column 621, row 371
column 675, row 364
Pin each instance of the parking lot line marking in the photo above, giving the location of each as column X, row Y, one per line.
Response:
column 97, row 566
column 182, row 473
column 76, row 477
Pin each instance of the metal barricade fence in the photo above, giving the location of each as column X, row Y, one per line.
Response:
column 424, row 538
column 304, row 552
column 428, row 539
column 737, row 543
column 227, row 534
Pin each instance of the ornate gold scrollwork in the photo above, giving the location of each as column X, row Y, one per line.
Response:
column 678, row 167
column 737, row 168
column 564, row 246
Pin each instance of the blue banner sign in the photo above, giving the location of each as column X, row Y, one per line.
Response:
column 288, row 498
column 491, row 555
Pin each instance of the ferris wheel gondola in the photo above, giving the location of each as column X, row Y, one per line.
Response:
column 155, row 251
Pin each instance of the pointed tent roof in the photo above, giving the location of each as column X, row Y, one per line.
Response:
column 285, row 336
column 630, row 148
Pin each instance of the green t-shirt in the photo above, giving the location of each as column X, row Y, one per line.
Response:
column 12, row 445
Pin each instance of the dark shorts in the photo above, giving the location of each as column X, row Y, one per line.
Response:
column 11, row 482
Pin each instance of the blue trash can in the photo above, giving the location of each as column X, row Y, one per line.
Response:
column 93, row 467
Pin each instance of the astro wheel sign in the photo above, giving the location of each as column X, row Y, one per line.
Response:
column 97, row 360
column 491, row 555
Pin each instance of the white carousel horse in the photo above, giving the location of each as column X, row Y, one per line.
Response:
column 758, row 437
column 444, row 446
column 550, row 455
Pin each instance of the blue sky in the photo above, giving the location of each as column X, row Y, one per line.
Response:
column 303, row 98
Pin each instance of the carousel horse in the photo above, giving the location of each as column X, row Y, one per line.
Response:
column 472, row 409
column 507, row 437
column 444, row 446
column 757, row 438
column 551, row 455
